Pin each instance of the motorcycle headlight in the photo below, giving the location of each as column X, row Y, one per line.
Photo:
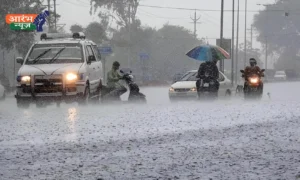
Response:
column 25, row 79
column 71, row 77
column 253, row 80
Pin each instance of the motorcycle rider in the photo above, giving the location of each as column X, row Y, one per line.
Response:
column 210, row 66
column 113, row 77
column 253, row 69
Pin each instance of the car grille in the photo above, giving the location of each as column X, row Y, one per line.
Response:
column 182, row 90
column 48, row 84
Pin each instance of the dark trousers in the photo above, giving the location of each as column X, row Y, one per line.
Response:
column 198, row 83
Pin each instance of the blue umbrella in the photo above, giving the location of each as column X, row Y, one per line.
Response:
column 207, row 53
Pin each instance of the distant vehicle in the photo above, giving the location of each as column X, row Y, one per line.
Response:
column 2, row 92
column 291, row 74
column 280, row 76
column 61, row 68
column 186, row 86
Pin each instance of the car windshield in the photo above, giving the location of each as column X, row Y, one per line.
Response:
column 190, row 76
column 63, row 53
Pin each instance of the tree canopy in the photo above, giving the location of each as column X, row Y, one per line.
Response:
column 279, row 26
column 124, row 11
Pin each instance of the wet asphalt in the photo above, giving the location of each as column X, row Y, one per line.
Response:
column 225, row 139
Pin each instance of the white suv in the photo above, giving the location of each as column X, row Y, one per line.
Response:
column 58, row 69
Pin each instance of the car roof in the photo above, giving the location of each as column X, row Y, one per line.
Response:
column 65, row 40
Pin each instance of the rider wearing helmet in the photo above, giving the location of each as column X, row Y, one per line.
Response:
column 252, row 69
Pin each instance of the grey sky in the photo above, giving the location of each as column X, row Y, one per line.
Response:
column 77, row 11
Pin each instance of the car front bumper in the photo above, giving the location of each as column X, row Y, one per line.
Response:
column 183, row 95
column 55, row 91
column 280, row 78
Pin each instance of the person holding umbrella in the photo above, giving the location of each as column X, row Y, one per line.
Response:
column 212, row 68
column 210, row 55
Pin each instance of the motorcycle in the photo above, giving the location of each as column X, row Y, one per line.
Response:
column 134, row 91
column 253, row 85
column 208, row 86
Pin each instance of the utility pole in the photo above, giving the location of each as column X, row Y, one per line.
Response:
column 195, row 21
column 251, row 32
column 55, row 15
column 129, row 35
column 221, row 35
column 14, row 68
column 237, row 43
column 266, row 60
column 245, row 43
column 232, row 45
column 49, row 24
column 3, row 55
column 251, row 37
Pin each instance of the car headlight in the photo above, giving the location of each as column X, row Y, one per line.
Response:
column 71, row 77
column 171, row 89
column 25, row 79
column 193, row 89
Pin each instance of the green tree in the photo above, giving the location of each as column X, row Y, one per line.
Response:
column 96, row 32
column 51, row 20
column 124, row 11
column 76, row 28
column 279, row 26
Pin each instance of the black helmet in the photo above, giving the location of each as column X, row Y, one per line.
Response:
column 252, row 61
column 116, row 64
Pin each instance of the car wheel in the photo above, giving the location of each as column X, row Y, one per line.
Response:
column 97, row 96
column 228, row 93
column 24, row 104
column 172, row 100
column 3, row 97
column 40, row 104
column 84, row 100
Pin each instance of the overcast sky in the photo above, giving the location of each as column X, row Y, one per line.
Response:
column 77, row 11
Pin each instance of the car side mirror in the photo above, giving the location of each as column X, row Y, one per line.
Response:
column 20, row 60
column 91, row 58
column 242, row 71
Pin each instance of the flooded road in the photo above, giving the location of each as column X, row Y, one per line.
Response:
column 231, row 139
